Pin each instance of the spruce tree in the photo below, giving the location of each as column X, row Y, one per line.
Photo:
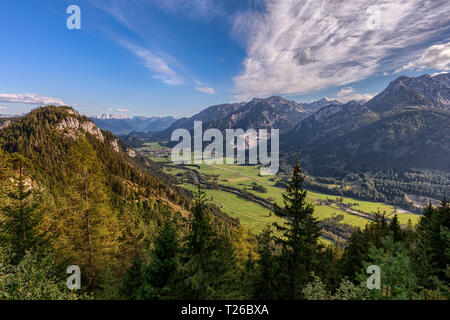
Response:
column 21, row 217
column 431, row 247
column 132, row 280
column 210, row 265
column 199, row 246
column 299, row 238
column 265, row 269
column 247, row 278
column 160, row 277
column 395, row 230
column 5, row 173
column 356, row 252
column 398, row 281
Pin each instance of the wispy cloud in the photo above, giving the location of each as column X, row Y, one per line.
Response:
column 123, row 110
column 194, row 9
column 154, row 63
column 435, row 57
column 347, row 94
column 208, row 90
column 3, row 108
column 300, row 46
column 132, row 14
column 30, row 98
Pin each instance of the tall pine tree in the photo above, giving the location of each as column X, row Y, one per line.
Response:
column 162, row 276
column 20, row 218
column 299, row 238
column 265, row 269
column 210, row 264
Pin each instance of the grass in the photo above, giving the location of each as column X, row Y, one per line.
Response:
column 250, row 214
column 256, row 217
column 403, row 218
column 153, row 145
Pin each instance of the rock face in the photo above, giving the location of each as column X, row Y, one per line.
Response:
column 115, row 145
column 5, row 124
column 131, row 153
column 71, row 127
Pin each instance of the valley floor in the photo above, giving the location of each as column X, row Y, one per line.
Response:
column 242, row 193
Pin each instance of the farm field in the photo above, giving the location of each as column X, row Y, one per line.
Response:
column 253, row 215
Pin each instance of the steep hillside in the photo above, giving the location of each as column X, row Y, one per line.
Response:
column 258, row 114
column 47, row 135
column 328, row 123
column 395, row 144
column 209, row 114
column 414, row 138
column 407, row 125
column 404, row 91
column 316, row 105
column 274, row 112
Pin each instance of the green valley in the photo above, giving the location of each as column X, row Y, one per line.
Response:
column 231, row 187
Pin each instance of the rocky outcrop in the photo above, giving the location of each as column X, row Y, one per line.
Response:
column 5, row 124
column 131, row 153
column 115, row 145
column 72, row 127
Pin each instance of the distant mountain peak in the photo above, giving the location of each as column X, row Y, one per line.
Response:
column 106, row 116
column 318, row 104
column 425, row 90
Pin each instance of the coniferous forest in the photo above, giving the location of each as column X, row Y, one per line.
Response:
column 222, row 159
column 71, row 196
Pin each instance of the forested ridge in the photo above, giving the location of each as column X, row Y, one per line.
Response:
column 73, row 195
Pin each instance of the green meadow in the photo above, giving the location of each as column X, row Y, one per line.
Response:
column 254, row 216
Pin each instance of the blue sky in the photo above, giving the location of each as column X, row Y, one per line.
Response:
column 175, row 57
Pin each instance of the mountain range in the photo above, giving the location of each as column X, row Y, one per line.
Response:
column 273, row 112
column 407, row 125
column 426, row 90
column 123, row 126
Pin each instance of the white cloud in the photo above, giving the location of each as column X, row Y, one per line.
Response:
column 197, row 82
column 155, row 64
column 347, row 94
column 435, row 57
column 29, row 98
column 123, row 110
column 132, row 14
column 299, row 46
column 194, row 9
column 205, row 90
column 3, row 108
